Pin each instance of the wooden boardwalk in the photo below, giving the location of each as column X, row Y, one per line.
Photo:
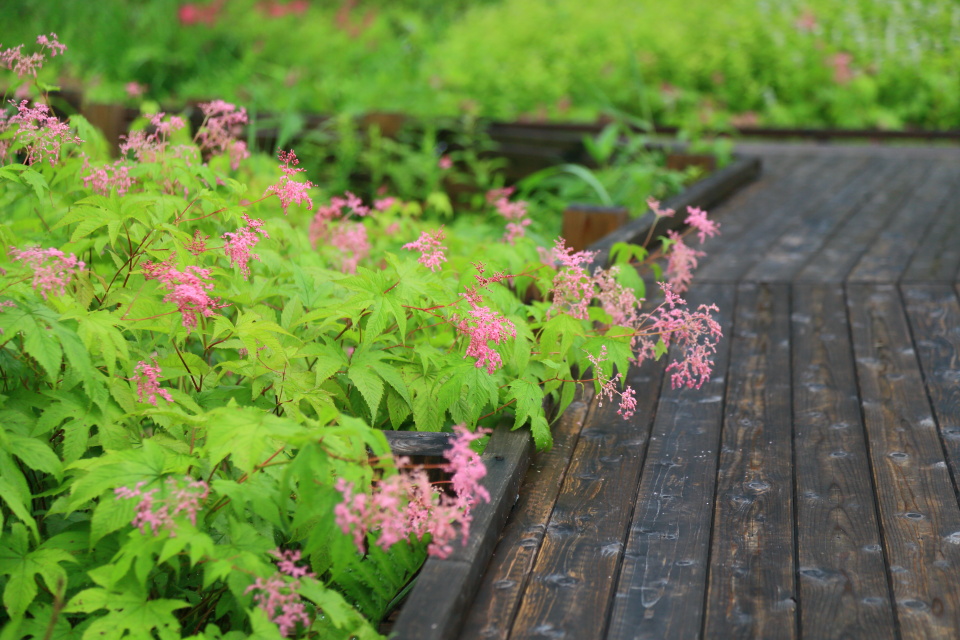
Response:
column 809, row 490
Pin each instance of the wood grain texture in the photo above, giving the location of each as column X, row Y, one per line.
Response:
column 887, row 257
column 663, row 580
column 917, row 502
column 493, row 609
column 802, row 193
column 445, row 586
column 571, row 585
column 752, row 589
column 843, row 582
column 937, row 258
column 802, row 236
column 418, row 443
column 934, row 314
column 840, row 252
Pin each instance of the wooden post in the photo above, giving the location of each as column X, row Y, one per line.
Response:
column 584, row 224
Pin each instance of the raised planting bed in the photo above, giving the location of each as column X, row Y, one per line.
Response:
column 438, row 604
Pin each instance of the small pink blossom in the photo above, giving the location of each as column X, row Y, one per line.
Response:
column 199, row 243
column 289, row 190
column 237, row 245
column 147, row 377
column 351, row 239
column 696, row 332
column 155, row 515
column 52, row 269
column 481, row 325
column 102, row 180
column 445, row 163
column 514, row 212
column 807, row 21
column 134, row 89
column 41, row 133
column 24, row 65
column 608, row 387
column 697, row 218
column 573, row 288
column 148, row 146
column 382, row 204
column 842, row 72
column 188, row 289
column 657, row 211
column 223, row 122
column 431, row 249
column 681, row 262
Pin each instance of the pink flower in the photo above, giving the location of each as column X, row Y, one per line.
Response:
column 465, row 467
column 148, row 147
column 608, row 387
column 280, row 601
column 52, row 269
column 288, row 190
column 188, row 289
column 41, row 132
column 807, row 21
column 24, row 65
column 199, row 243
column 147, row 377
column 102, row 180
column 222, row 124
column 157, row 514
column 842, row 73
column 573, row 288
column 481, row 326
column 431, row 249
column 618, row 301
column 351, row 239
column 134, row 89
column 681, row 262
column 657, row 211
column 514, row 212
column 696, row 332
column 383, row 204
column 237, row 245
column 697, row 219
column 445, row 163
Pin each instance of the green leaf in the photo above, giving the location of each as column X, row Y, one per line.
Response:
column 15, row 493
column 131, row 616
column 529, row 401
column 111, row 514
column 558, row 334
column 541, row 432
column 37, row 181
column 246, row 434
column 369, row 384
column 35, row 454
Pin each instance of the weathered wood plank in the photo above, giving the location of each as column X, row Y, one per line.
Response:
column 418, row 443
column 917, row 503
column 802, row 236
column 752, row 586
column 804, row 193
column 445, row 586
column 843, row 582
column 934, row 314
column 937, row 258
column 498, row 598
column 663, row 580
column 888, row 256
column 571, row 585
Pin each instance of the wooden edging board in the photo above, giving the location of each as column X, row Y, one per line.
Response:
column 438, row 604
column 703, row 194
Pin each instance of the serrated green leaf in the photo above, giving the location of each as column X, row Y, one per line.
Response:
column 540, row 429
column 111, row 514
column 16, row 495
column 35, row 454
column 36, row 181
column 246, row 434
column 529, row 400
column 369, row 384
column 398, row 408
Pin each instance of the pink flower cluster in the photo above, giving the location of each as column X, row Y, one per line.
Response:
column 277, row 596
column 608, row 387
column 156, row 514
column 573, row 288
column 147, row 377
column 481, row 325
column 41, row 133
column 101, row 180
column 150, row 146
column 52, row 268
column 188, row 289
column 695, row 331
column 514, row 212
column 406, row 503
column 431, row 249
column 237, row 245
column 330, row 224
column 223, row 122
column 24, row 65
column 682, row 259
column 289, row 190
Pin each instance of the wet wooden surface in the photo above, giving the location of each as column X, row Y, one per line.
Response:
column 810, row 489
